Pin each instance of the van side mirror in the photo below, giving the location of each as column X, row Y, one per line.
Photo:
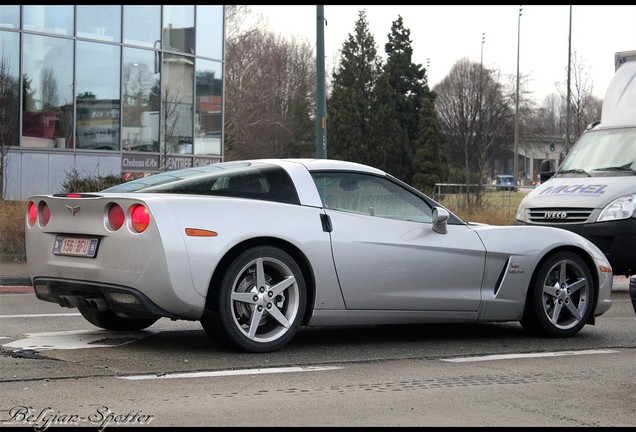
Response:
column 545, row 170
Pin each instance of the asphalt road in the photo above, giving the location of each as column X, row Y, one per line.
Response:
column 57, row 369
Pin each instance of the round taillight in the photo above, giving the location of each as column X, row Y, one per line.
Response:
column 32, row 213
column 139, row 218
column 45, row 213
column 116, row 217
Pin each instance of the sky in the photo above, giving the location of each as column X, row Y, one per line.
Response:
column 443, row 35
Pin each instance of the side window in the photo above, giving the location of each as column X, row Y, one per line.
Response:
column 370, row 195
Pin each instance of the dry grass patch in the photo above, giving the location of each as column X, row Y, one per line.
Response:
column 12, row 218
column 498, row 207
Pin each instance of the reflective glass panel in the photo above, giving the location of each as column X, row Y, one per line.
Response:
column 98, row 100
column 209, row 107
column 142, row 25
column 177, row 100
column 10, row 16
column 178, row 28
column 9, row 88
column 210, row 31
column 47, row 119
column 99, row 22
column 56, row 19
column 140, row 88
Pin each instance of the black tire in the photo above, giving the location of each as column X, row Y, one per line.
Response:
column 560, row 300
column 259, row 304
column 109, row 320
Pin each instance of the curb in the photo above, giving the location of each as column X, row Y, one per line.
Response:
column 16, row 290
column 15, row 280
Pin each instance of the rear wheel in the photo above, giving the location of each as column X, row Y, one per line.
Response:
column 260, row 302
column 109, row 320
column 561, row 297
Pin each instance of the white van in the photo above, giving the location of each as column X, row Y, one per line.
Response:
column 593, row 192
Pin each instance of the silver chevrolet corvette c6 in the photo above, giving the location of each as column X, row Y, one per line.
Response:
column 255, row 249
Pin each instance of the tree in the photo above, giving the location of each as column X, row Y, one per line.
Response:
column 584, row 108
column 429, row 162
column 476, row 118
column 408, row 88
column 349, row 107
column 269, row 97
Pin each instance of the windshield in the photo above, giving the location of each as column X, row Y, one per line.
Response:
column 602, row 152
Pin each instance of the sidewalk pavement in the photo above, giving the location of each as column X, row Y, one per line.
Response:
column 15, row 274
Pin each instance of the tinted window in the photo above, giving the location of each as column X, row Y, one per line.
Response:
column 209, row 42
column 142, row 25
column 47, row 64
column 99, row 22
column 98, row 101
column 57, row 19
column 140, row 81
column 262, row 182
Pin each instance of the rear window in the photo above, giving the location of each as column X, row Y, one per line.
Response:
column 262, row 182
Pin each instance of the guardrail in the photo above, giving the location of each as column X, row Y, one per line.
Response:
column 443, row 189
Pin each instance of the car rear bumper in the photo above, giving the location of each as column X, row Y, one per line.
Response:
column 122, row 300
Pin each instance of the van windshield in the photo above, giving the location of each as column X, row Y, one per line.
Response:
column 602, row 152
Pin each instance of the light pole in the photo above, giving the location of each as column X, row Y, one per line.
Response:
column 515, row 162
column 568, row 93
column 428, row 70
column 321, row 102
column 483, row 39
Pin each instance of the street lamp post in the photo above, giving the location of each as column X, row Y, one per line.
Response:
column 321, row 101
column 515, row 162
column 428, row 70
column 568, row 96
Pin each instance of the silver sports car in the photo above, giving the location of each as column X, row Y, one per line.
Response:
column 255, row 249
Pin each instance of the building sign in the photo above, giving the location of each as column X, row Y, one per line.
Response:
column 203, row 160
column 150, row 163
column 139, row 162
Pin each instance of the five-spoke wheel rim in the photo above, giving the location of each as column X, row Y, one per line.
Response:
column 265, row 299
column 565, row 294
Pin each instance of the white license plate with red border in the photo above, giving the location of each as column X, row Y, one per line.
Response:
column 75, row 246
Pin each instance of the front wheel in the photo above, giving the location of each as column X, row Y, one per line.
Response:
column 260, row 302
column 561, row 297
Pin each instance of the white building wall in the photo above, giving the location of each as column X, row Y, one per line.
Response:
column 32, row 173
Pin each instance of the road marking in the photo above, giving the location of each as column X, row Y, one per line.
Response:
column 529, row 355
column 41, row 315
column 77, row 339
column 230, row 373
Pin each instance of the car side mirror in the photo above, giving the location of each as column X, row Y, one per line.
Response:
column 440, row 217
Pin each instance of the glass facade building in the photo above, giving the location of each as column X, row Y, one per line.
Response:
column 115, row 89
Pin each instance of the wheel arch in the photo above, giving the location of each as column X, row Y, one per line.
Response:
column 292, row 250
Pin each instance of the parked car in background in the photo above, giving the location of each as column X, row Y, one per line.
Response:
column 506, row 182
column 255, row 249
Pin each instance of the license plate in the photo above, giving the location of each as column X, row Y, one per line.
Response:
column 75, row 246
